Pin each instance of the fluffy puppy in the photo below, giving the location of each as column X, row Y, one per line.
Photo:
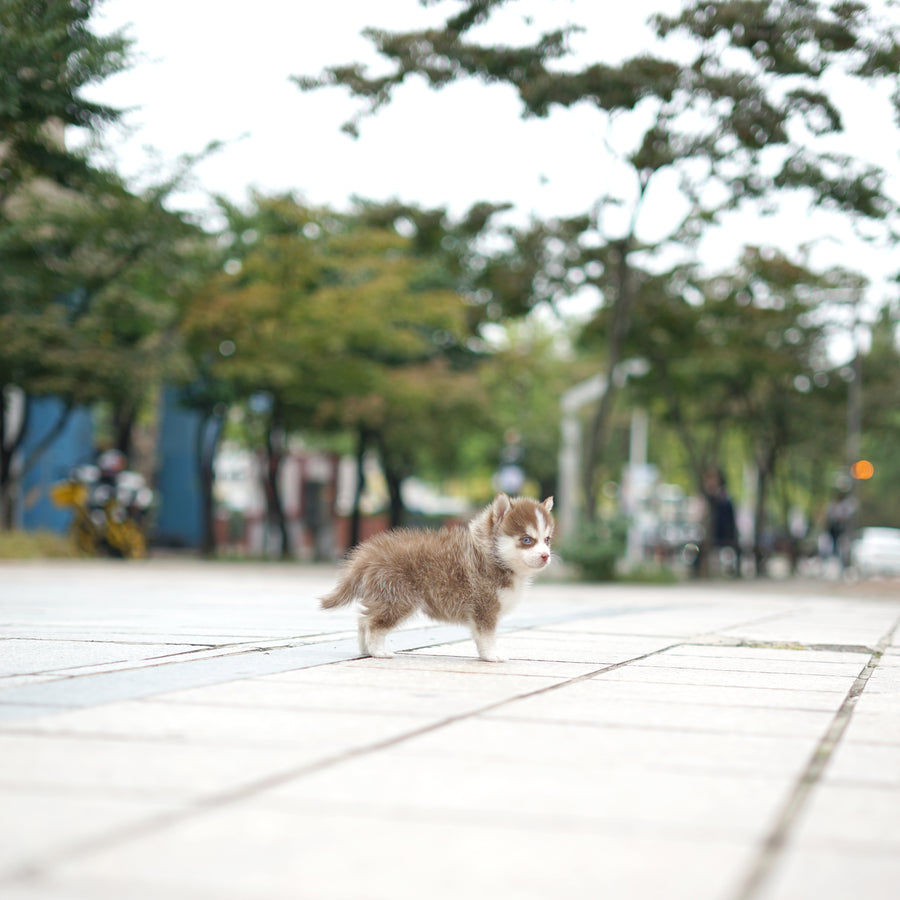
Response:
column 469, row 575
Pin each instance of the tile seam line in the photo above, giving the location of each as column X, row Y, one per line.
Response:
column 32, row 870
column 775, row 844
column 251, row 647
column 693, row 640
column 248, row 652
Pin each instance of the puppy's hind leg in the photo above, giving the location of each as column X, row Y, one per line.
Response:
column 375, row 643
column 372, row 628
column 371, row 637
column 384, row 610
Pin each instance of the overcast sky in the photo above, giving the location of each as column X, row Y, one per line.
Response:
column 220, row 71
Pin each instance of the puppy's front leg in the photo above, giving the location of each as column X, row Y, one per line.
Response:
column 486, row 642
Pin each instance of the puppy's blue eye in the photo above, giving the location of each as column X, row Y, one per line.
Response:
column 527, row 541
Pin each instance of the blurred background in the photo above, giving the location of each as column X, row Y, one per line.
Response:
column 270, row 285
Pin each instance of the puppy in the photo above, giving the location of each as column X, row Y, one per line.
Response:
column 470, row 575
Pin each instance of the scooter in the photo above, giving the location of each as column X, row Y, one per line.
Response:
column 110, row 509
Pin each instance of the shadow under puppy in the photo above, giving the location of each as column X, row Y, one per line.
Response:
column 468, row 575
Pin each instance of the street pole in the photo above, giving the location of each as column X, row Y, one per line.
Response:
column 854, row 417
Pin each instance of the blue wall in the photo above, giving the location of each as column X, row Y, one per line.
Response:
column 72, row 447
column 179, row 515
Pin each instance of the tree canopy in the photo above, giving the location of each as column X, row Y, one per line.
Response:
column 736, row 106
column 48, row 55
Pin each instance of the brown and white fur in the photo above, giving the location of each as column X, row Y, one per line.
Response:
column 469, row 575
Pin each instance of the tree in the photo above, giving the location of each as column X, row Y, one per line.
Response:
column 741, row 352
column 89, row 294
column 341, row 322
column 881, row 422
column 524, row 379
column 743, row 117
column 48, row 55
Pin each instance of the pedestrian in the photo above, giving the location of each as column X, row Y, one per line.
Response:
column 722, row 522
column 838, row 514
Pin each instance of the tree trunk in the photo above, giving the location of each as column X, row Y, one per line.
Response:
column 9, row 445
column 598, row 435
column 765, row 466
column 394, row 473
column 356, row 515
column 124, row 416
column 208, row 435
column 275, row 506
column 397, row 511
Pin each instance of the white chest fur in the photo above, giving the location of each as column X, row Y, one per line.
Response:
column 509, row 597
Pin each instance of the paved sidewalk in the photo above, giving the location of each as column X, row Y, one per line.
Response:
column 186, row 730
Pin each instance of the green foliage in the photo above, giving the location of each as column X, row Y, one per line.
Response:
column 745, row 114
column 596, row 548
column 523, row 380
column 355, row 321
column 90, row 291
column 48, row 55
column 719, row 108
column 878, row 497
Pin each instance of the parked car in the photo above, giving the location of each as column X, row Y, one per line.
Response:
column 876, row 551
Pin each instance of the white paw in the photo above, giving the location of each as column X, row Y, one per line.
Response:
column 493, row 657
column 381, row 654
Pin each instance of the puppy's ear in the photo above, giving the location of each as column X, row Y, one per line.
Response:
column 548, row 504
column 500, row 506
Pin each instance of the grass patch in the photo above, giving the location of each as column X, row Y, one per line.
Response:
column 35, row 545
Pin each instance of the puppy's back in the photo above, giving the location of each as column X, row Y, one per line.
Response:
column 442, row 572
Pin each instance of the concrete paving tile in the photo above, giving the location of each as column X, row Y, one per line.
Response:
column 38, row 824
column 759, row 661
column 765, row 655
column 147, row 633
column 149, row 680
column 19, row 657
column 138, row 769
column 829, row 875
column 488, row 675
column 858, row 763
column 423, row 660
column 639, row 672
column 617, row 648
column 592, row 795
column 298, row 770
column 565, row 745
column 612, row 685
column 34, row 889
column 681, row 624
column 885, row 680
column 876, row 720
column 18, row 680
column 178, row 655
column 684, row 611
column 825, row 622
column 310, row 734
column 246, row 854
column 520, row 647
column 850, row 817
column 260, row 693
column 657, row 712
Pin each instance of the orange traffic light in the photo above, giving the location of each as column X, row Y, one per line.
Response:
column 862, row 470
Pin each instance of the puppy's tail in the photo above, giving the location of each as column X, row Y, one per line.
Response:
column 342, row 595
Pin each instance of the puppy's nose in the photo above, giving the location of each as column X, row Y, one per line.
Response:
column 545, row 557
